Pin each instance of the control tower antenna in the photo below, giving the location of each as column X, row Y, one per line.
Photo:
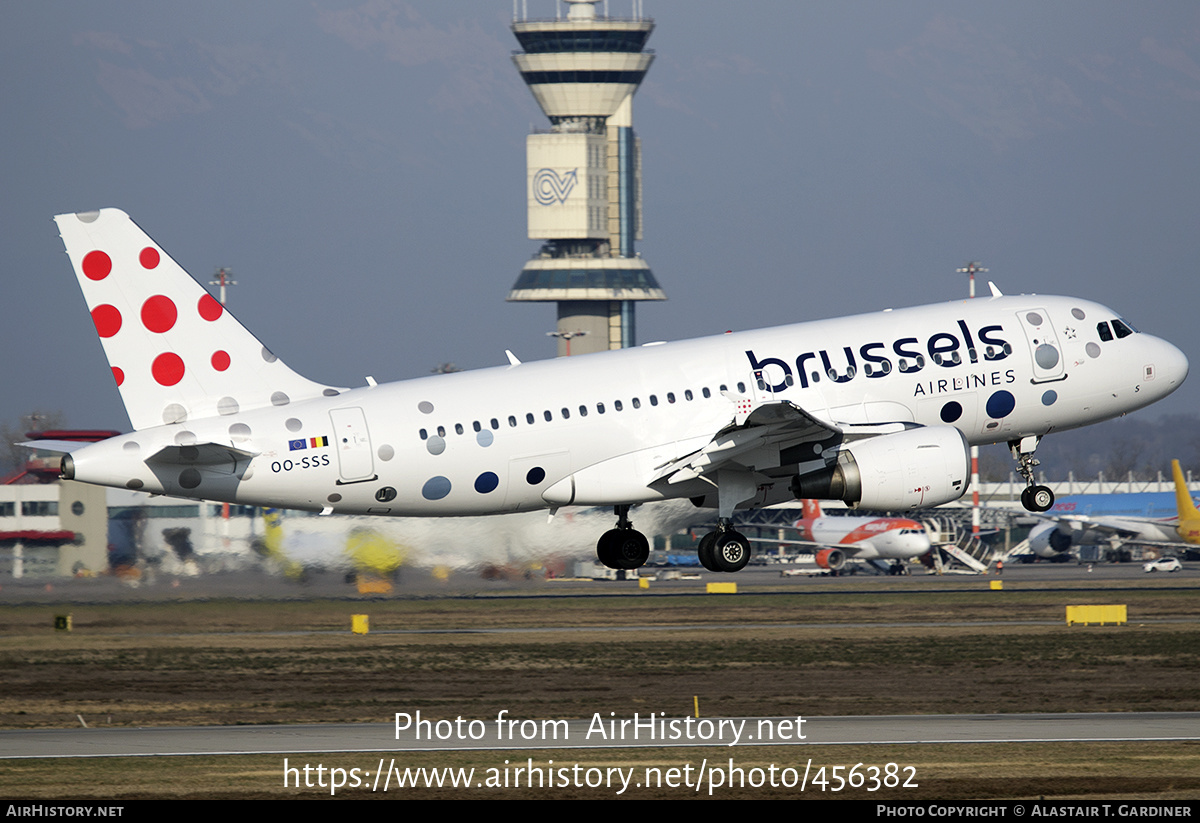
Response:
column 583, row 181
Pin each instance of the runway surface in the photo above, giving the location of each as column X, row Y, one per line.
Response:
column 598, row 733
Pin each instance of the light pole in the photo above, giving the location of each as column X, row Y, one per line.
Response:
column 971, row 269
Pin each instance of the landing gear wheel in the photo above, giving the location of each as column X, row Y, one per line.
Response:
column 623, row 549
column 704, row 551
column 1037, row 499
column 731, row 552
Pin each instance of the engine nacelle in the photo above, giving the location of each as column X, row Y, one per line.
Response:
column 832, row 559
column 1046, row 540
column 913, row 469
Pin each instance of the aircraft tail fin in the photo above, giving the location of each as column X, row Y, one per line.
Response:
column 812, row 509
column 1183, row 497
column 175, row 352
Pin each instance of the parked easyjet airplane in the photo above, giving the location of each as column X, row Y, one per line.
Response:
column 838, row 539
column 876, row 410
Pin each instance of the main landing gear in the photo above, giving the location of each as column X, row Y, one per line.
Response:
column 724, row 550
column 623, row 547
column 1035, row 498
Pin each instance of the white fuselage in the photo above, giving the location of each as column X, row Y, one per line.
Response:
column 503, row 439
column 868, row 538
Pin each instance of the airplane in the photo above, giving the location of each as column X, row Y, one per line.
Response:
column 876, row 410
column 857, row 538
column 1144, row 518
column 1189, row 516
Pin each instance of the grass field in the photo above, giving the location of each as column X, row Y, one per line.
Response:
column 833, row 653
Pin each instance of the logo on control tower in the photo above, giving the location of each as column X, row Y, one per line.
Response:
column 550, row 188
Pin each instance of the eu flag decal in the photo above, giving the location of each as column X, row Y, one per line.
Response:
column 297, row 445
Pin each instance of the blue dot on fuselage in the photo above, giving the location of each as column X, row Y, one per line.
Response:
column 535, row 476
column 1049, row 397
column 951, row 411
column 435, row 488
column 486, row 482
column 1001, row 404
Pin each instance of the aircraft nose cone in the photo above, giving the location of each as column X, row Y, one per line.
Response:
column 1172, row 365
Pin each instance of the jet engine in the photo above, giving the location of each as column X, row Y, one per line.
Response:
column 912, row 469
column 1048, row 541
column 832, row 559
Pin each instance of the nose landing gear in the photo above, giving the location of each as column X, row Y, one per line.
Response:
column 1034, row 498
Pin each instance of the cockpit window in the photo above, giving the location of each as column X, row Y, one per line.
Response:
column 1121, row 329
column 1104, row 331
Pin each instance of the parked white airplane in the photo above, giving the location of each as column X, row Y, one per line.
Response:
column 838, row 539
column 876, row 410
column 1140, row 518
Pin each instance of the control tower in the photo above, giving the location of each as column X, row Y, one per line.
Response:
column 584, row 174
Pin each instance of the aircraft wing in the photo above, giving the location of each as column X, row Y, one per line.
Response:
column 57, row 446
column 754, row 440
column 1056, row 535
column 849, row 549
column 212, row 456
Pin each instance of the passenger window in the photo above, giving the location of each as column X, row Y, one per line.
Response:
column 654, row 400
column 707, row 394
column 600, row 408
column 617, row 405
column 583, row 411
column 424, row 434
column 546, row 414
column 670, row 397
column 529, row 418
column 637, row 404
column 566, row 413
column 476, row 426
column 495, row 424
column 458, row 429
column 441, row 431
column 512, row 421
column 687, row 395
column 741, row 387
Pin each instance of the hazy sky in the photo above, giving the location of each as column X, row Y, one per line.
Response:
column 361, row 167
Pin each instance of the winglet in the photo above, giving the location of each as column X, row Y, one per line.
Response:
column 995, row 290
column 512, row 358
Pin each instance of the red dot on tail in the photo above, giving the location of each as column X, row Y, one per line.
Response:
column 220, row 360
column 97, row 265
column 167, row 369
column 209, row 308
column 148, row 258
column 118, row 375
column 107, row 319
column 159, row 313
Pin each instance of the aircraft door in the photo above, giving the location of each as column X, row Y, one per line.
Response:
column 1048, row 362
column 353, row 444
column 764, row 382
